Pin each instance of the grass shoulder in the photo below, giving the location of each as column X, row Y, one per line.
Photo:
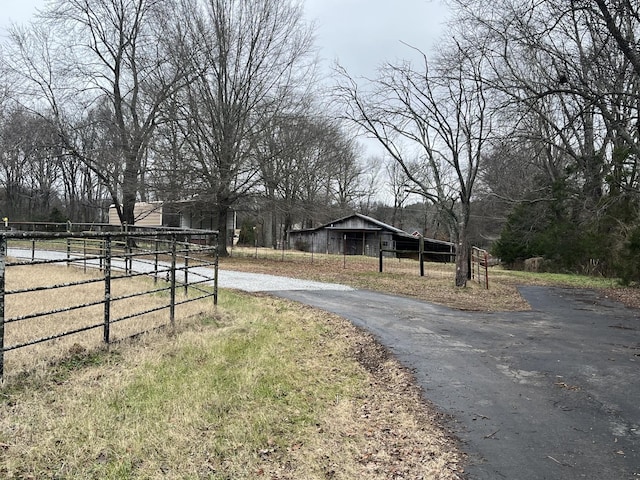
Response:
column 267, row 388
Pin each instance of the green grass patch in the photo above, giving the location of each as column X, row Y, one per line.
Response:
column 561, row 279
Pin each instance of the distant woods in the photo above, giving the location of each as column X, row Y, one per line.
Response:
column 119, row 101
column 521, row 133
column 523, row 130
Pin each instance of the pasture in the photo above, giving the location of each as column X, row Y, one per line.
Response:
column 258, row 388
column 35, row 298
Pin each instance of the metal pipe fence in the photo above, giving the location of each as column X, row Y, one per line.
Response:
column 480, row 266
column 172, row 258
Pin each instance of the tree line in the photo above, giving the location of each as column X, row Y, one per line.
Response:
column 529, row 113
column 521, row 130
column 120, row 101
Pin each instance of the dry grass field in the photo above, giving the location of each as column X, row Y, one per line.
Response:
column 402, row 277
column 37, row 357
column 255, row 388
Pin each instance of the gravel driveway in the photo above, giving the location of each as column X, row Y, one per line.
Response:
column 248, row 282
column 260, row 282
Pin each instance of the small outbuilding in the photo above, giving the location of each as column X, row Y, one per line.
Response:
column 146, row 214
column 188, row 214
column 359, row 234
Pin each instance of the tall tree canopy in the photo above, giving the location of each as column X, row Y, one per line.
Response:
column 253, row 64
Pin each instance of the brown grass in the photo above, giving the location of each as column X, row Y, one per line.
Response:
column 259, row 388
column 402, row 277
column 38, row 356
column 264, row 389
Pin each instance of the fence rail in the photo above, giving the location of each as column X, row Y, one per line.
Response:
column 168, row 256
column 480, row 266
column 447, row 255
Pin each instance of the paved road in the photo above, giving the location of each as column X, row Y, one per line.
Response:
column 553, row 393
column 549, row 394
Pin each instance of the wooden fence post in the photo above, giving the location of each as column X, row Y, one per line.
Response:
column 486, row 270
column 344, row 251
column 421, row 256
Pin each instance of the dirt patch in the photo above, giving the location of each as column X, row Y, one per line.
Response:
column 629, row 297
column 370, row 354
column 403, row 447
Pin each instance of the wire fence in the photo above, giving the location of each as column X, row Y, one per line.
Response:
column 55, row 285
column 428, row 263
column 437, row 265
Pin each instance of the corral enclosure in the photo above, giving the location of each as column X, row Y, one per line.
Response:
column 67, row 292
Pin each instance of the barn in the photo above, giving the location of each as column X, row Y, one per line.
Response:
column 359, row 234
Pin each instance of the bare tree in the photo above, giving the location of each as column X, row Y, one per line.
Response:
column 309, row 171
column 171, row 174
column 116, row 53
column 370, row 180
column 401, row 190
column 29, row 165
column 435, row 124
column 286, row 153
column 567, row 74
column 254, row 58
column 621, row 19
column 558, row 66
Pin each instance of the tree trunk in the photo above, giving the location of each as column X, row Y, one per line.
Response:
column 462, row 260
column 223, row 240
column 462, row 246
column 129, row 191
column 274, row 223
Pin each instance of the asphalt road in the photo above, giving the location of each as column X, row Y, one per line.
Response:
column 553, row 393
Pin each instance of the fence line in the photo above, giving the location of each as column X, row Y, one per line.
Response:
column 444, row 256
column 161, row 254
column 480, row 266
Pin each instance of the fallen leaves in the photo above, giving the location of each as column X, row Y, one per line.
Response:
column 573, row 388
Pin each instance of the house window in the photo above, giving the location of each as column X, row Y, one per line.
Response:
column 385, row 244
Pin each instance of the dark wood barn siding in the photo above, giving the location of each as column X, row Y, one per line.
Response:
column 359, row 235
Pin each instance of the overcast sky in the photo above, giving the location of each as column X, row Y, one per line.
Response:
column 360, row 34
column 18, row 11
